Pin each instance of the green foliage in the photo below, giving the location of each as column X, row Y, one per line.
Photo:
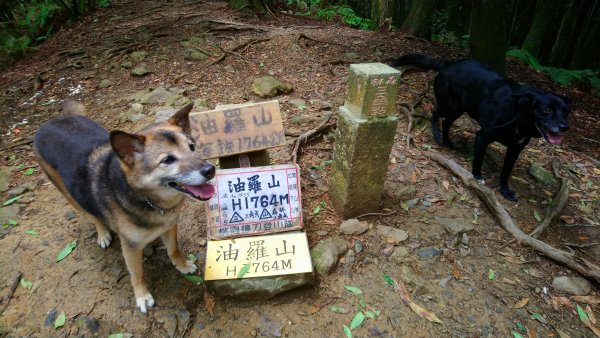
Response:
column 440, row 33
column 346, row 15
column 29, row 22
column 558, row 75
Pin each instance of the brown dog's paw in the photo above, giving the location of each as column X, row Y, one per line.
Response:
column 188, row 268
column 145, row 302
column 104, row 239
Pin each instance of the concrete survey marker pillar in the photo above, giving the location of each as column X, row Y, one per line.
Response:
column 364, row 137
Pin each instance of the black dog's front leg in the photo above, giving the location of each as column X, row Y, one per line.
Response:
column 481, row 143
column 512, row 153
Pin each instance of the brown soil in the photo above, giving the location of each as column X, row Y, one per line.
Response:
column 454, row 285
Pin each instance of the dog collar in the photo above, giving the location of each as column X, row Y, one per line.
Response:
column 160, row 210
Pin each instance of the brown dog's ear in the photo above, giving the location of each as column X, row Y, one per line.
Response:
column 126, row 145
column 180, row 118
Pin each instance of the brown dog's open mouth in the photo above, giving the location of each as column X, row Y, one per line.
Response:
column 202, row 192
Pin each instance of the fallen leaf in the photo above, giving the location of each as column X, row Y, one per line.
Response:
column 456, row 273
column 404, row 206
column 521, row 303
column 29, row 172
column 66, row 251
column 12, row 200
column 593, row 300
column 32, row 232
column 531, row 333
column 516, row 334
column 372, row 314
column 194, row 279
column 508, row 281
column 537, row 216
column 26, row 283
column 491, row 274
column 312, row 309
column 413, row 177
column 539, row 318
column 347, row 331
column 192, row 257
column 446, row 184
column 590, row 314
column 60, row 320
column 353, row 289
column 357, row 320
column 430, row 316
column 120, row 335
column 560, row 332
column 567, row 219
column 562, row 301
column 337, row 309
column 209, row 302
column 244, row 270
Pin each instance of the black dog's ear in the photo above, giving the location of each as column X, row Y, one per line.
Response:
column 565, row 99
column 525, row 97
column 126, row 145
column 180, row 118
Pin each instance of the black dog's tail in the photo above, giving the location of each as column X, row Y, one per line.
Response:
column 418, row 60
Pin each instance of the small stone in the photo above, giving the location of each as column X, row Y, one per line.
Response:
column 571, row 285
column 429, row 252
column 69, row 215
column 444, row 282
column 88, row 326
column 321, row 232
column 138, row 56
column 105, row 83
column 392, row 234
column 51, row 317
column 298, row 103
column 326, row 254
column 388, row 250
column 4, row 178
column 127, row 65
column 193, row 54
column 157, row 95
column 136, row 117
column 350, row 258
column 229, row 69
column 21, row 189
column 410, row 275
column 202, row 241
column 533, row 272
column 399, row 191
column 268, row 86
column 164, row 114
column 455, row 226
column 399, row 255
column 465, row 239
column 353, row 227
column 351, row 56
column 358, row 246
column 412, row 202
column 463, row 252
column 141, row 71
column 169, row 321
column 542, row 175
column 137, row 107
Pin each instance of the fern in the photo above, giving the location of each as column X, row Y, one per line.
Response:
column 347, row 15
column 558, row 75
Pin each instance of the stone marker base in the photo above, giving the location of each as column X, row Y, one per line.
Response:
column 361, row 156
column 259, row 287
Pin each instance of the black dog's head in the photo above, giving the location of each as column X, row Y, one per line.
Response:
column 546, row 113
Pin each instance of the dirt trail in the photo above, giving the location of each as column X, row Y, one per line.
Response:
column 446, row 274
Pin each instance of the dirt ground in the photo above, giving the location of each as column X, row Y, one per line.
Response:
column 446, row 275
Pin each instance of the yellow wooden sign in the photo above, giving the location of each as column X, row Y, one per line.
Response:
column 237, row 129
column 257, row 256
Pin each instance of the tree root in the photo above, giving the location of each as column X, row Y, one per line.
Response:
column 304, row 138
column 233, row 51
column 410, row 110
column 558, row 203
column 304, row 36
column 486, row 195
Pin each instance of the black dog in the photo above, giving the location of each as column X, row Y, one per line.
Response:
column 506, row 111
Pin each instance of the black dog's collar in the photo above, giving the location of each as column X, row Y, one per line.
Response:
column 158, row 209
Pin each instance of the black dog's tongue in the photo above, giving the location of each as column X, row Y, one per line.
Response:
column 554, row 138
column 203, row 191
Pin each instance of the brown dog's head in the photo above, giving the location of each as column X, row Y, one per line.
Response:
column 161, row 159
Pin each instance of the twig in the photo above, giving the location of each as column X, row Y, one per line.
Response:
column 310, row 134
column 588, row 157
column 410, row 110
column 11, row 291
column 236, row 48
column 377, row 214
column 558, row 203
column 580, row 246
column 302, row 35
column 584, row 267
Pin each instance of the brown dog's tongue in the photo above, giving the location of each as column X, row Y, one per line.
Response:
column 554, row 139
column 204, row 191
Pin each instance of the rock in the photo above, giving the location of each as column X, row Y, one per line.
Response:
column 465, row 239
column 9, row 212
column 572, row 285
column 411, row 276
column 393, row 234
column 304, row 118
column 178, row 101
column 541, row 175
column 69, row 215
column 4, row 178
column 51, row 317
column 127, row 65
column 350, row 259
column 136, row 117
column 164, row 114
column 141, row 71
column 399, row 255
column 88, row 326
column 299, row 103
column 137, row 107
column 455, row 226
column 326, row 254
column 351, row 56
column 270, row 327
column 533, row 272
column 138, row 56
column 21, row 189
column 105, row 83
column 157, row 95
column 353, row 227
column 169, row 321
column 429, row 252
column 194, row 54
column 259, row 287
column 321, row 233
column 324, row 105
column 399, row 191
column 358, row 246
column 412, row 202
column 229, row 69
column 268, row 86
column 183, row 319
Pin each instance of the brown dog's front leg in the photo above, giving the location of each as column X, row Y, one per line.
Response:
column 132, row 253
column 169, row 238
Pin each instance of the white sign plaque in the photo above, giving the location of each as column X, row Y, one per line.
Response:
column 255, row 200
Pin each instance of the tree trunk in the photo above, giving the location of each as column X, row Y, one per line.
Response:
column 400, row 10
column 418, row 22
column 381, row 13
column 522, row 14
column 587, row 49
column 566, row 33
column 459, row 18
column 545, row 13
column 488, row 32
column 258, row 5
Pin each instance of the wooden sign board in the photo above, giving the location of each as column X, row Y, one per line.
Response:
column 255, row 200
column 237, row 129
column 258, row 256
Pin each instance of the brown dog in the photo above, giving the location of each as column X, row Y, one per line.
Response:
column 132, row 184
